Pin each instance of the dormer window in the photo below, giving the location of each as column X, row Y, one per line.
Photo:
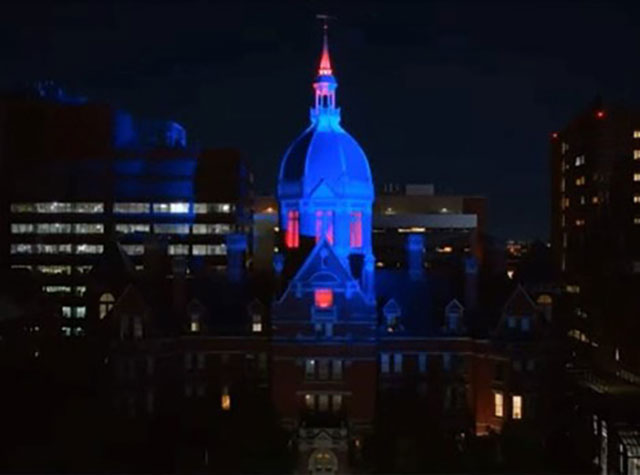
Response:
column 453, row 316
column 106, row 303
column 256, row 323
column 323, row 298
column 194, row 327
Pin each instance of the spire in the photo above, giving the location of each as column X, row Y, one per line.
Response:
column 325, row 111
column 325, row 60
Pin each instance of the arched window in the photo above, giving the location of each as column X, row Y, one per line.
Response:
column 323, row 461
column 106, row 303
column 324, row 225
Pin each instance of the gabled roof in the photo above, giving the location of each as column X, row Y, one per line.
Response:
column 322, row 258
column 520, row 303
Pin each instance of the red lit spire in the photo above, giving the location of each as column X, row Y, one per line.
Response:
column 325, row 60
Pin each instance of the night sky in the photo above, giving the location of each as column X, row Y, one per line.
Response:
column 462, row 95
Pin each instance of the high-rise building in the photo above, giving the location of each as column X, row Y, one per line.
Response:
column 595, row 231
column 77, row 176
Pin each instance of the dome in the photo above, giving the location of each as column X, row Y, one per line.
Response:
column 325, row 152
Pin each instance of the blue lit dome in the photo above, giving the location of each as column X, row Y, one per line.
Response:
column 325, row 152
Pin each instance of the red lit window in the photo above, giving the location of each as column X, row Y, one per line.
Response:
column 355, row 229
column 292, row 233
column 323, row 298
column 324, row 223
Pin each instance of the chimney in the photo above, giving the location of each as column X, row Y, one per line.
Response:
column 415, row 255
column 470, row 282
column 236, row 251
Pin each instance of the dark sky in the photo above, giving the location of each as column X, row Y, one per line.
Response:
column 462, row 95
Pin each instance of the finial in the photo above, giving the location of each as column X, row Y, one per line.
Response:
column 325, row 60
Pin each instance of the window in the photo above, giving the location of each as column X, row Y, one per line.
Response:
column 323, row 369
column 55, row 270
column 336, row 370
column 89, row 248
column 636, row 154
column 131, row 208
column 580, row 181
column 88, row 228
column 225, row 399
column 355, row 230
column 323, row 298
column 336, row 402
column 310, row 369
column 323, row 402
column 137, row 328
column 21, row 228
column 397, row 363
column 166, row 228
column 57, row 207
column 636, row 177
column 498, row 404
column 211, row 228
column 21, row 249
column 525, row 324
column 106, row 303
column 127, row 228
column 384, row 363
column 178, row 249
column 579, row 160
column 56, row 289
column 208, row 208
column 83, row 269
column 133, row 249
column 422, row 362
column 194, row 326
column 172, row 208
column 324, row 226
column 292, row 230
column 256, row 323
column 516, row 407
column 446, row 361
column 636, row 198
column 636, row 220
column 209, row 249
column 310, row 402
column 511, row 322
column 636, row 134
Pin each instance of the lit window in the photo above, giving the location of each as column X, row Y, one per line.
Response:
column 581, row 180
column 595, row 200
column 580, row 222
column 310, row 369
column 195, row 327
column 83, row 269
column 310, row 401
column 105, row 304
column 131, row 208
column 256, row 323
column 498, row 404
column 324, row 226
column 89, row 248
column 636, row 134
column 209, row 249
column 66, row 311
column 207, row 208
column 80, row 312
column 178, row 249
column 165, row 228
column 133, row 249
column 88, row 228
column 355, row 230
column 173, row 208
column 636, row 220
column 21, row 249
column 56, row 289
column 579, row 160
column 636, row 177
column 127, row 228
column 211, row 228
column 292, row 230
column 516, row 407
column 55, row 270
column 636, row 154
column 323, row 402
column 384, row 362
column 323, row 298
column 636, row 198
column 21, row 228
column 225, row 399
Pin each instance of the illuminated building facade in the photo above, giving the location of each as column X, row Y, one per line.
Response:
column 67, row 194
column 595, row 231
